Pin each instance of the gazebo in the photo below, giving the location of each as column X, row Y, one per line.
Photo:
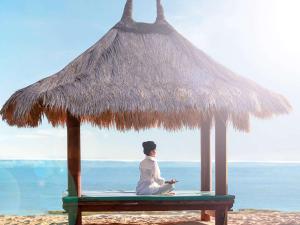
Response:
column 140, row 76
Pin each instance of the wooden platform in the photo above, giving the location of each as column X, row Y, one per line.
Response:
column 129, row 201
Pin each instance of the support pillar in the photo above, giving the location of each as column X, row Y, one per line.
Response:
column 206, row 169
column 221, row 165
column 74, row 167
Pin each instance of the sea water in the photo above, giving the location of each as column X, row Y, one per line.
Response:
column 36, row 187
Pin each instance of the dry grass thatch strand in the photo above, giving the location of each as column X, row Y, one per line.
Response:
column 140, row 76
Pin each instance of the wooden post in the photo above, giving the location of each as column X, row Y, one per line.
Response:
column 221, row 165
column 206, row 170
column 74, row 168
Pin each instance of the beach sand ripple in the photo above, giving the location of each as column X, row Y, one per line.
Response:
column 245, row 217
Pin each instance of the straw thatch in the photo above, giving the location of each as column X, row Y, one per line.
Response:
column 139, row 76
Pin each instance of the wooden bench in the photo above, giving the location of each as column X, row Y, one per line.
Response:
column 129, row 201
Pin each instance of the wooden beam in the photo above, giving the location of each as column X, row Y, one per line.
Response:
column 221, row 156
column 221, row 168
column 142, row 205
column 206, row 169
column 74, row 168
column 74, row 216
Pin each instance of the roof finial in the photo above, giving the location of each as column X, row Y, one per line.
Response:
column 127, row 14
column 160, row 11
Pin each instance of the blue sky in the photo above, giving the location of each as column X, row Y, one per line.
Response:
column 255, row 38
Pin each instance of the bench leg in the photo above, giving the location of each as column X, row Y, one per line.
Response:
column 75, row 217
column 205, row 216
column 221, row 217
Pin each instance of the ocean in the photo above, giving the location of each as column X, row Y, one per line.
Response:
column 36, row 187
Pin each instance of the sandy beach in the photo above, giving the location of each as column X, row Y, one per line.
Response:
column 244, row 217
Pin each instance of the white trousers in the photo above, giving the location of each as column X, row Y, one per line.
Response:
column 164, row 189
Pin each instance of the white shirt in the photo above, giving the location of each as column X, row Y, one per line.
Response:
column 150, row 179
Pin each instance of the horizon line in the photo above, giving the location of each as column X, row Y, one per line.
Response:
column 136, row 160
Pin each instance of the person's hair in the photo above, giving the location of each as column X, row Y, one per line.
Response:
column 148, row 147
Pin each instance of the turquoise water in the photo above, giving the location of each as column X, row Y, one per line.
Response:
column 35, row 187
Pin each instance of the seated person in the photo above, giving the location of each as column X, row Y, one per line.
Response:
column 151, row 183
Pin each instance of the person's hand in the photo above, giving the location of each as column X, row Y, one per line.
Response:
column 173, row 181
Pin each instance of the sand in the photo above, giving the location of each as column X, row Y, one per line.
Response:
column 244, row 217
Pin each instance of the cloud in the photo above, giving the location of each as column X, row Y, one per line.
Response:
column 29, row 136
column 43, row 134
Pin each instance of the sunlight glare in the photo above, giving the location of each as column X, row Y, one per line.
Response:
column 284, row 18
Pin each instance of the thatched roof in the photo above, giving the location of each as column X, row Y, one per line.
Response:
column 142, row 75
